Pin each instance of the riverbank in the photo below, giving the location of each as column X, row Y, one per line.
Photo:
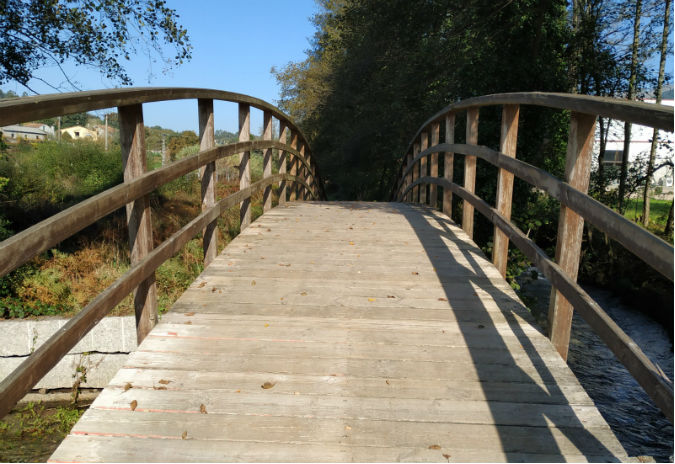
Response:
column 639, row 425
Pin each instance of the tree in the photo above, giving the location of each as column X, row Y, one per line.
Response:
column 184, row 139
column 655, row 134
column 98, row 33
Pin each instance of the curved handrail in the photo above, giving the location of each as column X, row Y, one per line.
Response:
column 654, row 382
column 23, row 246
column 650, row 248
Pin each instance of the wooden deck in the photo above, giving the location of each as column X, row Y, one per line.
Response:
column 345, row 332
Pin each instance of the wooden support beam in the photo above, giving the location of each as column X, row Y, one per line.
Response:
column 507, row 145
column 433, row 163
column 470, row 170
column 294, row 166
column 208, row 176
column 571, row 226
column 244, row 164
column 132, row 144
column 302, row 192
column 310, row 177
column 416, row 173
column 267, row 160
column 282, row 163
column 424, row 170
column 448, row 162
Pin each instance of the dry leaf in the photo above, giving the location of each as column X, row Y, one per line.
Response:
column 415, row 273
column 347, row 427
column 188, row 322
column 481, row 326
column 387, row 382
column 202, row 409
column 442, row 299
column 267, row 385
column 434, row 447
column 184, row 436
column 164, row 382
column 304, row 294
column 213, row 290
column 371, row 299
column 220, row 291
column 127, row 386
column 253, row 283
column 267, row 325
column 269, row 230
column 391, row 296
column 133, row 405
column 351, row 243
column 189, row 314
column 446, row 456
column 238, row 391
column 201, row 285
column 351, row 227
column 159, row 388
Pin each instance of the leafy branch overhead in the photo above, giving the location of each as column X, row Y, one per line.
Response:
column 99, row 33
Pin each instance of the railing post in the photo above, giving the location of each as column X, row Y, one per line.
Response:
column 267, row 160
column 448, row 163
column 310, row 177
column 302, row 194
column 408, row 178
column 470, row 169
column 244, row 164
column 507, row 145
column 424, row 144
column 208, row 176
column 294, row 165
column 433, row 168
column 132, row 144
column 571, row 226
column 416, row 173
column 282, row 163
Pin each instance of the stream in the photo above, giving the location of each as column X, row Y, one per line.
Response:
column 638, row 424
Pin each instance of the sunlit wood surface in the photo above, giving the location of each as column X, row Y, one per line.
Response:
column 345, row 332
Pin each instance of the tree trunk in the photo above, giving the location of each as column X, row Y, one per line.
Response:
column 669, row 223
column 631, row 95
column 655, row 136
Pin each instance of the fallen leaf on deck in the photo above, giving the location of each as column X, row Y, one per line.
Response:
column 415, row 273
column 347, row 427
column 238, row 391
column 189, row 314
column 184, row 436
column 351, row 243
column 269, row 230
column 304, row 294
column 446, row 456
column 164, row 382
column 267, row 385
column 188, row 323
column 253, row 283
column 220, row 291
column 213, row 290
column 202, row 409
column 371, row 299
column 175, row 334
column 267, row 325
column 201, row 285
column 159, row 388
column 387, row 382
column 133, row 405
column 442, row 299
column 434, row 447
column 127, row 386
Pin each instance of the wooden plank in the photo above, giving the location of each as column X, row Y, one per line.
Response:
column 208, row 177
column 433, row 164
column 470, row 169
column 244, row 164
column 507, row 145
column 424, row 167
column 571, row 226
column 282, row 163
column 267, row 160
column 139, row 223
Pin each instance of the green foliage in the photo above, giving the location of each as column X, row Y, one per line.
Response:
column 178, row 142
column 99, row 33
column 77, row 119
column 177, row 273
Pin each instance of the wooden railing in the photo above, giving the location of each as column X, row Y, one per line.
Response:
column 576, row 207
column 303, row 182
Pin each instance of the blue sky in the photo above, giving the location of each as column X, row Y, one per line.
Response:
column 236, row 43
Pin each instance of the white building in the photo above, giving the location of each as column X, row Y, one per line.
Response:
column 15, row 133
column 640, row 146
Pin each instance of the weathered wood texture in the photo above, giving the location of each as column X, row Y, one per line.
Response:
column 282, row 163
column 139, row 222
column 433, row 163
column 507, row 146
column 386, row 336
column 448, row 163
column 424, row 166
column 208, row 175
column 293, row 195
column 244, row 164
column 571, row 226
column 470, row 169
column 267, row 160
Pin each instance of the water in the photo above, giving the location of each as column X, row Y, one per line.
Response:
column 639, row 425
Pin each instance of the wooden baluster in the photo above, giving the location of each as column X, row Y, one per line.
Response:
column 416, row 172
column 294, row 165
column 424, row 171
column 448, row 161
column 302, row 172
column 132, row 144
column 282, row 163
column 571, row 226
column 244, row 164
column 310, row 179
column 208, row 176
column 267, row 160
column 507, row 145
column 470, row 169
column 433, row 165
column 408, row 178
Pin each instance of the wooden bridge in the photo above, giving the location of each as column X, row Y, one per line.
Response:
column 344, row 331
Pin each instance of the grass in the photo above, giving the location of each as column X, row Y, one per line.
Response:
column 658, row 213
column 32, row 432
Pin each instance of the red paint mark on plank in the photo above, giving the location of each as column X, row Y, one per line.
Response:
column 132, row 435
column 244, row 339
column 172, row 411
